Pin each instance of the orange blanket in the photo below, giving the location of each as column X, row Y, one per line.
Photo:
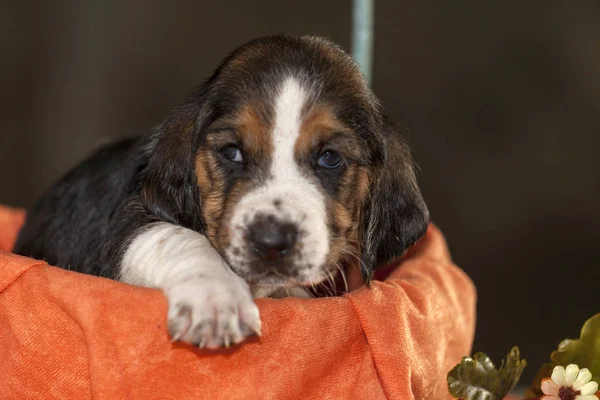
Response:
column 65, row 335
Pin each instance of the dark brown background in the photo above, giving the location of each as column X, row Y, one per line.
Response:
column 503, row 103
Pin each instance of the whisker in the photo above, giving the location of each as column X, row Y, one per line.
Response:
column 332, row 280
column 339, row 267
column 325, row 286
column 361, row 262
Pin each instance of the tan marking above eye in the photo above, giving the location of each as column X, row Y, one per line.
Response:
column 254, row 131
column 320, row 127
column 221, row 137
column 246, row 129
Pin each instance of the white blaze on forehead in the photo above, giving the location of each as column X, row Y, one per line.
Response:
column 300, row 200
column 286, row 130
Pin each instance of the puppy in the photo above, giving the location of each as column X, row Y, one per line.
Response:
column 279, row 168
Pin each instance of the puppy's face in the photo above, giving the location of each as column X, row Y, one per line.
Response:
column 292, row 158
column 282, row 180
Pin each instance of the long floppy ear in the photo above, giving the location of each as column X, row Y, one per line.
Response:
column 395, row 215
column 168, row 188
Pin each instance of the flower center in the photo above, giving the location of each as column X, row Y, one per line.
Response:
column 567, row 393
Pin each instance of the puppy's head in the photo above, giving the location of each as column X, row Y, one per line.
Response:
column 285, row 160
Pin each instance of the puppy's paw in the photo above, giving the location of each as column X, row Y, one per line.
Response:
column 211, row 313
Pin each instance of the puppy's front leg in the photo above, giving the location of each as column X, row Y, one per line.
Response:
column 209, row 305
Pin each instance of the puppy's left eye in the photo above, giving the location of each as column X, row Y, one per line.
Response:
column 330, row 159
column 232, row 153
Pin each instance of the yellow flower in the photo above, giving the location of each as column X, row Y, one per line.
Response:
column 569, row 384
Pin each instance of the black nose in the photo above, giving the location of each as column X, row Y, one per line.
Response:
column 271, row 240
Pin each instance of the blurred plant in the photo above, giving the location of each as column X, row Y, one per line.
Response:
column 476, row 378
column 584, row 352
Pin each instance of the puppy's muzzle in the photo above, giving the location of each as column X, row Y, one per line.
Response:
column 271, row 240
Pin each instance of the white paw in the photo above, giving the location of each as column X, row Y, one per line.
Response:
column 212, row 313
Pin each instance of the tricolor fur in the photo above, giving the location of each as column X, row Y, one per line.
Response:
column 281, row 167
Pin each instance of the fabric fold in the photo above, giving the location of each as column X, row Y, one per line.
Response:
column 72, row 336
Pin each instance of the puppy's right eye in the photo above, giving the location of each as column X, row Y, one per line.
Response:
column 232, row 153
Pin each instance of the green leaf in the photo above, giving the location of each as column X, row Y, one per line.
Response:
column 477, row 378
column 585, row 352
